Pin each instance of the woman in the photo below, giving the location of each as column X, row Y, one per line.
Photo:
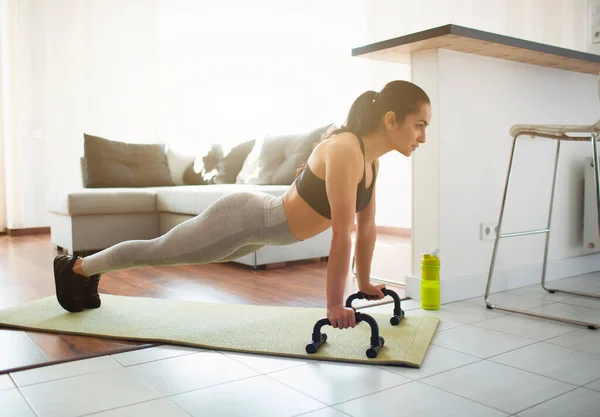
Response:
column 336, row 183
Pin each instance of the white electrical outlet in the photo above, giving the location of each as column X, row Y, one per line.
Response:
column 488, row 230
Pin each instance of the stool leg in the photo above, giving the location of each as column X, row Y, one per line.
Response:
column 547, row 244
column 497, row 240
column 595, row 137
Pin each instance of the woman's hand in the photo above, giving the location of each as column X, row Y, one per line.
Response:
column 341, row 317
column 373, row 292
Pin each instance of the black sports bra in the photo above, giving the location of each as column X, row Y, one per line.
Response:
column 312, row 189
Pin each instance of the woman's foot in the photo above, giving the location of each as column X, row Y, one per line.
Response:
column 78, row 268
column 69, row 285
column 74, row 291
column 91, row 298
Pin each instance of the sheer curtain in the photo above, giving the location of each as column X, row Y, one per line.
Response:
column 11, row 208
column 3, row 201
column 94, row 70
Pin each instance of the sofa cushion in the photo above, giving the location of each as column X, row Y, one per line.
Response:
column 203, row 168
column 230, row 165
column 276, row 159
column 194, row 199
column 117, row 164
column 178, row 163
column 251, row 167
column 102, row 201
column 296, row 155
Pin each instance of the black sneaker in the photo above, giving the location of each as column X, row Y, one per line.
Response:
column 91, row 298
column 69, row 285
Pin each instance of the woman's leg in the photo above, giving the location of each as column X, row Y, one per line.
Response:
column 229, row 224
column 241, row 252
column 234, row 225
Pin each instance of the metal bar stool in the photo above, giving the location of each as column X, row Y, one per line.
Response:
column 559, row 133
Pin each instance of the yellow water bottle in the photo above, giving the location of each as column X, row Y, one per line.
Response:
column 430, row 281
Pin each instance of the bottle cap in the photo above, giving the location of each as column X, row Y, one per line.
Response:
column 430, row 260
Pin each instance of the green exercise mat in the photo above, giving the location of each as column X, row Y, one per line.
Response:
column 268, row 330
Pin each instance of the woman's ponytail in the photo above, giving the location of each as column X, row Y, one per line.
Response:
column 362, row 117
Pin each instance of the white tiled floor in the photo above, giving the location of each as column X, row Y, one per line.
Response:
column 481, row 363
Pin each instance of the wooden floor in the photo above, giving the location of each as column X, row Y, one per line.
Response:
column 26, row 275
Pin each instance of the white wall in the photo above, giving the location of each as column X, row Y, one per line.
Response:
column 393, row 193
column 556, row 22
column 474, row 153
column 591, row 26
column 476, row 101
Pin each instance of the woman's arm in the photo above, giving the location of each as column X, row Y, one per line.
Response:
column 343, row 170
column 366, row 235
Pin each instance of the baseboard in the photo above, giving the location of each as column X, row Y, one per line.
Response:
column 390, row 230
column 28, row 231
column 396, row 231
column 461, row 288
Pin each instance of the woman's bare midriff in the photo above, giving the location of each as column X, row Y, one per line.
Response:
column 303, row 220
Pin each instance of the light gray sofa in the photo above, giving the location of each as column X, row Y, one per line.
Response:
column 90, row 219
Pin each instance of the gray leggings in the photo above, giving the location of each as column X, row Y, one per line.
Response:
column 233, row 226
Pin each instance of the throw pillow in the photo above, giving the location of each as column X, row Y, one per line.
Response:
column 178, row 163
column 275, row 160
column 203, row 169
column 230, row 166
column 118, row 164
column 193, row 177
column 250, row 171
column 295, row 155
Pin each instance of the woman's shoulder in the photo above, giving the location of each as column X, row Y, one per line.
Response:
column 344, row 135
column 343, row 141
column 339, row 148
